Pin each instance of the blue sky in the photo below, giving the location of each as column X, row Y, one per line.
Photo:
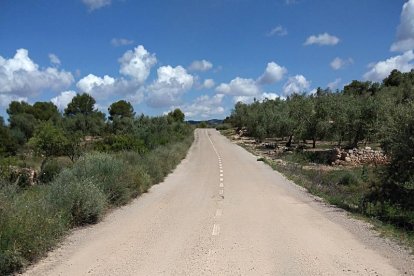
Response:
column 199, row 55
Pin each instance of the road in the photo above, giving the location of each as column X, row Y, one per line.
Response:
column 224, row 213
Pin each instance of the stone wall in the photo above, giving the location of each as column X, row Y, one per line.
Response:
column 358, row 156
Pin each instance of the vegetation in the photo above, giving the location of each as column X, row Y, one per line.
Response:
column 86, row 165
column 363, row 113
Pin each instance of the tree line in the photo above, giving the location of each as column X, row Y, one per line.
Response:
column 362, row 112
column 42, row 128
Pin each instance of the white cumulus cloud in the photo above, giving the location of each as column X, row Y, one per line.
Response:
column 322, row 39
column 63, row 99
column 239, row 87
column 272, row 74
column 204, row 106
column 96, row 4
column 200, row 65
column 116, row 42
column 105, row 87
column 137, row 64
column 170, row 85
column 21, row 77
column 296, row 84
column 339, row 63
column 208, row 83
column 405, row 31
column 382, row 69
column 88, row 83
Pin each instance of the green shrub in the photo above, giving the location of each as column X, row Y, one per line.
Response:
column 141, row 179
column 223, row 126
column 5, row 166
column 29, row 227
column 116, row 143
column 108, row 173
column 81, row 200
column 348, row 179
column 51, row 169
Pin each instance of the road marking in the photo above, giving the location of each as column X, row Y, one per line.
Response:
column 219, row 212
column 221, row 179
column 221, row 192
column 221, row 171
column 216, row 230
column 221, row 185
column 221, row 174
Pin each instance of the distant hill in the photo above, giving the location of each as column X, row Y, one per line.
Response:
column 209, row 122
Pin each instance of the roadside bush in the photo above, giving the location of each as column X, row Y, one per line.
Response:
column 108, row 173
column 80, row 200
column 29, row 227
column 141, row 180
column 51, row 169
column 223, row 126
column 116, row 143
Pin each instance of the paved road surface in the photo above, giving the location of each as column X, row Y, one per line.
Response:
column 223, row 213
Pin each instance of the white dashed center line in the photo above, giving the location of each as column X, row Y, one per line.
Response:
column 216, row 230
column 216, row 226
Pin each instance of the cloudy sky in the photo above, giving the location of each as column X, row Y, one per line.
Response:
column 199, row 55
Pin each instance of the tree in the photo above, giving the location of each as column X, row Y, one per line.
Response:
column 24, row 118
column 395, row 188
column 8, row 146
column 394, row 79
column 177, row 115
column 45, row 111
column 359, row 88
column 317, row 125
column 121, row 125
column 121, row 109
column 16, row 107
column 48, row 141
column 300, row 112
column 72, row 146
column 81, row 104
column 22, row 126
column 81, row 115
